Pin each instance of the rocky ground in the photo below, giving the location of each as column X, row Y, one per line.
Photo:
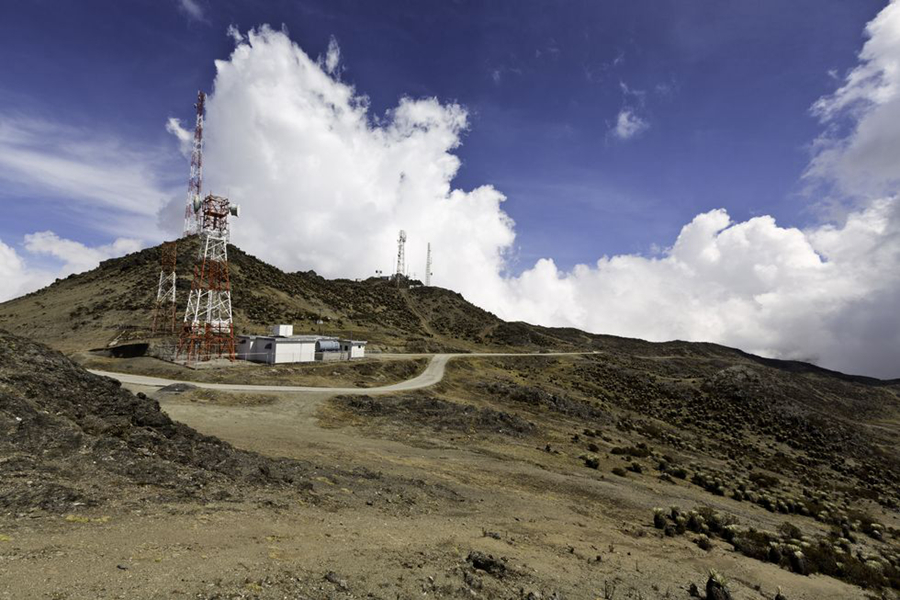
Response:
column 630, row 473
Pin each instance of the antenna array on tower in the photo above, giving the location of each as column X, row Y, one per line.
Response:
column 401, row 257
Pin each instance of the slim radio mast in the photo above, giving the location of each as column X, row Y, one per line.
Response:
column 195, row 183
column 401, row 257
column 428, row 267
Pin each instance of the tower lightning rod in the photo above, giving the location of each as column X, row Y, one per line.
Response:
column 192, row 217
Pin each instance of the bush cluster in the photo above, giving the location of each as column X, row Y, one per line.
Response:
column 789, row 548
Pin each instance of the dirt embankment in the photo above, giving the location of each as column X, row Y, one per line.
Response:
column 422, row 409
column 69, row 438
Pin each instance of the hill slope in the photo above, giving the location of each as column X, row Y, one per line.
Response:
column 115, row 301
column 91, row 309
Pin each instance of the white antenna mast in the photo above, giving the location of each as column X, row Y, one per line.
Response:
column 428, row 267
column 401, row 256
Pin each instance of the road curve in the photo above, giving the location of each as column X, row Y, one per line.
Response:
column 432, row 374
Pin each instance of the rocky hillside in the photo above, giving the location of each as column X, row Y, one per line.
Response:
column 69, row 438
column 115, row 300
column 71, row 441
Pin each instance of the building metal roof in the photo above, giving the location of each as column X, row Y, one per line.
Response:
column 294, row 339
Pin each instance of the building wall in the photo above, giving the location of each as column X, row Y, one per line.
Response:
column 246, row 349
column 283, row 330
column 294, row 352
column 274, row 350
column 349, row 350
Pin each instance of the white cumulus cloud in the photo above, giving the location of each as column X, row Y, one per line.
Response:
column 822, row 295
column 326, row 185
column 17, row 277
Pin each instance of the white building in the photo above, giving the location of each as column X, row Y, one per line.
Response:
column 284, row 347
column 353, row 348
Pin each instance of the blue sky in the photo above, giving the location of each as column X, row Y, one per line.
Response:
column 725, row 88
column 721, row 171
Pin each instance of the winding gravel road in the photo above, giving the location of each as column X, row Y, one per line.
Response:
column 432, row 374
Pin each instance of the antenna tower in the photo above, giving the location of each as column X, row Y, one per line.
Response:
column 164, row 314
column 195, row 183
column 208, row 330
column 428, row 267
column 401, row 256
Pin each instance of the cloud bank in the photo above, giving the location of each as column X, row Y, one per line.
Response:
column 28, row 271
column 326, row 185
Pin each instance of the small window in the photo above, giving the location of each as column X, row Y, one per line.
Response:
column 269, row 346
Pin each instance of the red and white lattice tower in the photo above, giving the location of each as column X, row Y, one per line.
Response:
column 208, row 331
column 195, row 183
column 164, row 313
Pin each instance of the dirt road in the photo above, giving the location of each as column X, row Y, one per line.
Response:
column 432, row 374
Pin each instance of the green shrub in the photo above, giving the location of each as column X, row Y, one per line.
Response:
column 639, row 451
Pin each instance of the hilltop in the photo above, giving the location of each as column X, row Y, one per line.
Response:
column 114, row 301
